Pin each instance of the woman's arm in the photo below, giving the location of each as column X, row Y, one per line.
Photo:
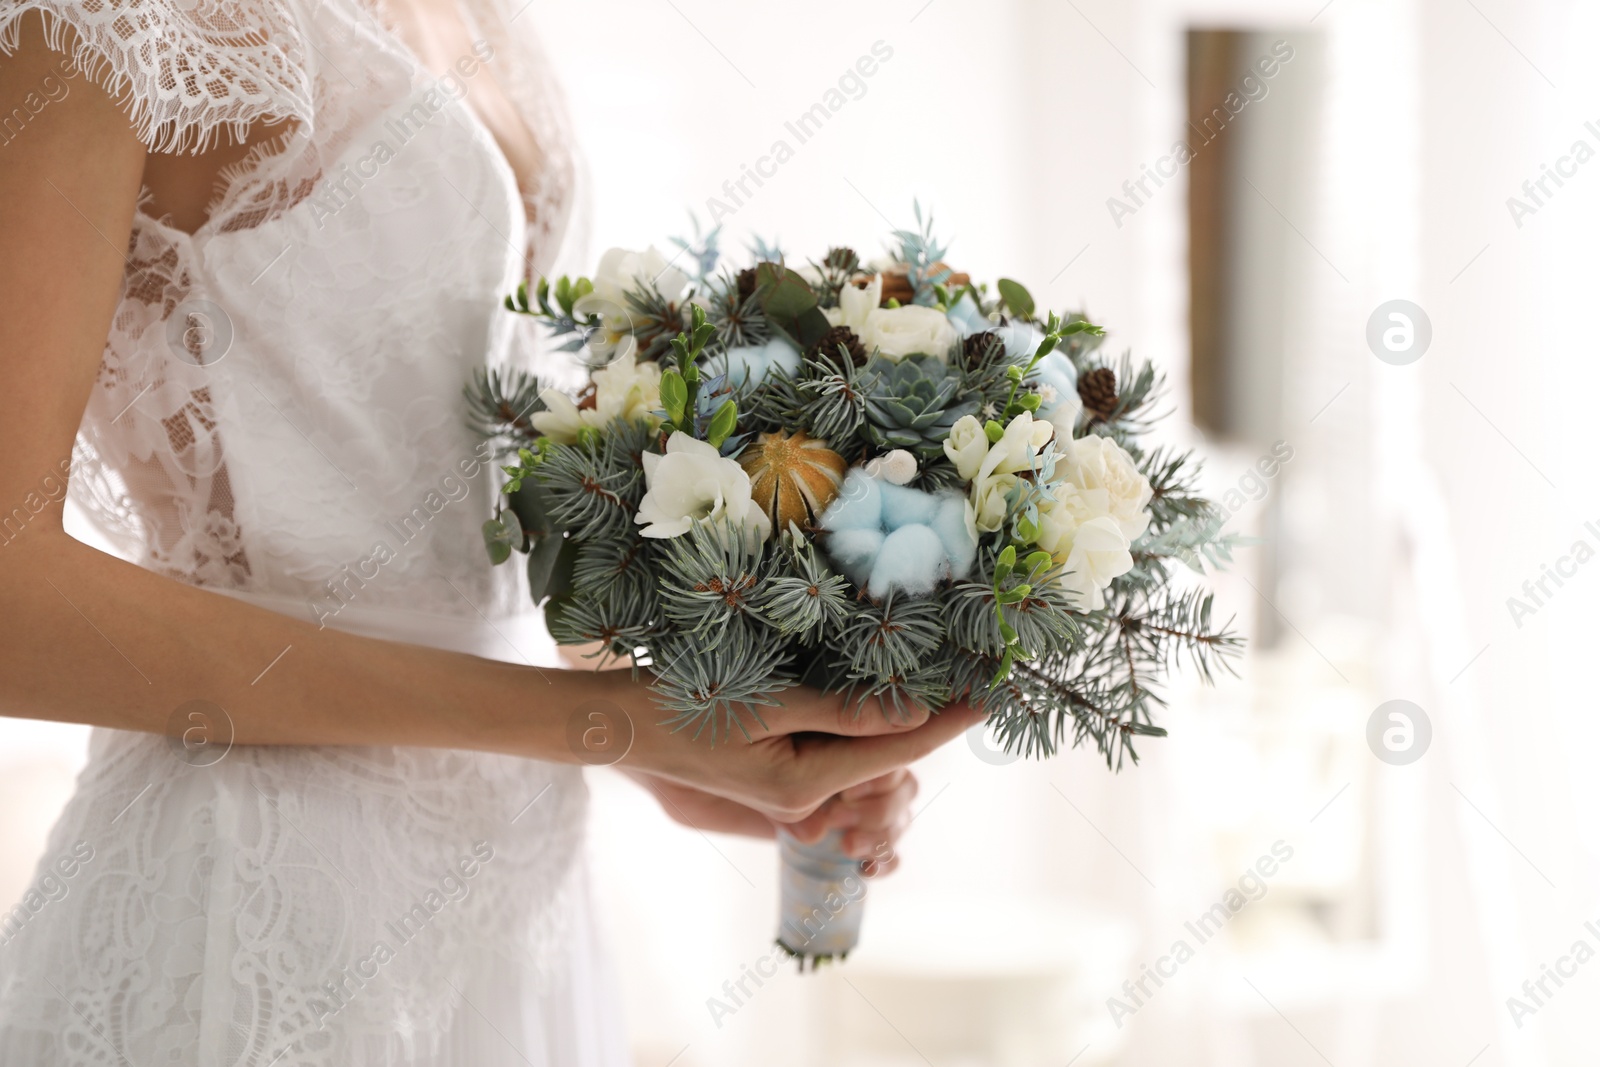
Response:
column 88, row 638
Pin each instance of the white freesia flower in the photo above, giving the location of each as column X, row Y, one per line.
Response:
column 855, row 305
column 621, row 270
column 967, row 446
column 996, row 474
column 907, row 331
column 1017, row 448
column 624, row 389
column 694, row 483
column 1095, row 462
column 989, row 502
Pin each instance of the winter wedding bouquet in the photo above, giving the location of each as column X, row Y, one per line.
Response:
column 878, row 479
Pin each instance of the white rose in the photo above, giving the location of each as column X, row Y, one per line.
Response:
column 694, row 483
column 967, row 446
column 1096, row 462
column 855, row 305
column 1078, row 530
column 1099, row 554
column 625, row 389
column 908, row 331
column 1063, row 510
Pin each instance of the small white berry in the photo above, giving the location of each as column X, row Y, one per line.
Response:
column 897, row 467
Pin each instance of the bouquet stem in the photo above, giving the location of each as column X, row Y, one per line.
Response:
column 823, row 900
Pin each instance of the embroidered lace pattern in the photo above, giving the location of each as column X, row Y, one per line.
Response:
column 279, row 413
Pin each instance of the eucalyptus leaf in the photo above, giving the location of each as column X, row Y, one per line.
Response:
column 810, row 326
column 1017, row 298
column 786, row 294
column 499, row 538
column 532, row 508
column 542, row 562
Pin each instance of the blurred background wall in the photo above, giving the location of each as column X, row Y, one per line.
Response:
column 1422, row 469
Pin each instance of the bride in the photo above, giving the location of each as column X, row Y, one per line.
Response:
column 252, row 251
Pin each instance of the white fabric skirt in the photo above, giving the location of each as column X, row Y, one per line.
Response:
column 313, row 907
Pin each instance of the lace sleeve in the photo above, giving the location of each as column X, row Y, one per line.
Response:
column 184, row 69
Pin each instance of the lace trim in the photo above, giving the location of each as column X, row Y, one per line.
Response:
column 185, row 70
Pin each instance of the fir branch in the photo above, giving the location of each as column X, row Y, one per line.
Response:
column 887, row 639
column 719, row 687
column 621, row 624
column 653, row 320
column 804, row 597
column 739, row 321
column 713, row 576
column 500, row 403
column 595, row 485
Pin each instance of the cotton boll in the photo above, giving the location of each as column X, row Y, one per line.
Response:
column 859, row 505
column 855, row 552
column 751, row 364
column 953, row 523
column 910, row 560
column 1057, row 383
column 1022, row 339
column 966, row 317
column 903, row 507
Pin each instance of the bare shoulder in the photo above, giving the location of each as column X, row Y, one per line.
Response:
column 70, row 167
column 44, row 98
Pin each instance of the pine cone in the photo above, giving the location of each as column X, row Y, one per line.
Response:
column 842, row 335
column 977, row 348
column 844, row 260
column 1098, row 391
column 747, row 284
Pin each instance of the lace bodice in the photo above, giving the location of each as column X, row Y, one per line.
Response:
column 309, row 342
column 279, row 415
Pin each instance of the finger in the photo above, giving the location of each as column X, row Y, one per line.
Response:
column 876, row 814
column 705, row 811
column 844, row 810
column 884, row 783
column 815, row 826
column 807, row 710
column 876, row 868
column 874, row 844
column 837, row 763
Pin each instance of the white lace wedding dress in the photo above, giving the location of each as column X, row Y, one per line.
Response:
column 280, row 417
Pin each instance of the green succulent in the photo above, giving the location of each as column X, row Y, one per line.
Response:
column 913, row 403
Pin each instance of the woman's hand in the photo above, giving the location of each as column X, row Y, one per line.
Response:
column 815, row 747
column 872, row 815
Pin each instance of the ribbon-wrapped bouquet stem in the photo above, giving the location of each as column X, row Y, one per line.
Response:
column 879, row 479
